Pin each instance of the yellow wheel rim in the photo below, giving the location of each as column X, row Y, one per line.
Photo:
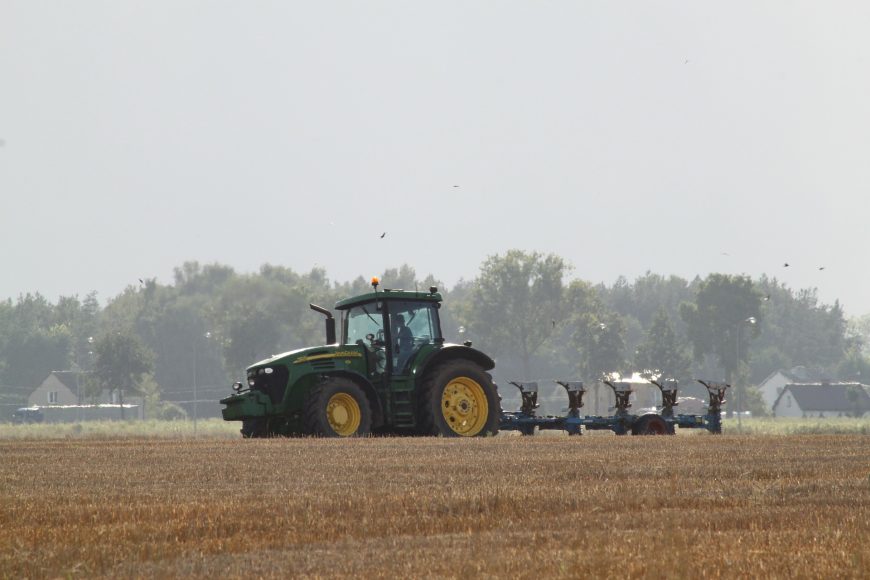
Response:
column 464, row 406
column 343, row 414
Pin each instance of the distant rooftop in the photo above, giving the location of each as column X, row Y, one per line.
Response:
column 828, row 396
column 68, row 378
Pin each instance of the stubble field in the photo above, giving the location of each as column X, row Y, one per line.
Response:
column 597, row 506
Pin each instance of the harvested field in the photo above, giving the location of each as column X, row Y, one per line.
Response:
column 762, row 506
column 230, row 429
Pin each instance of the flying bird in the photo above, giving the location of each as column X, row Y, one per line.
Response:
column 455, row 186
column 821, row 268
column 554, row 323
column 141, row 281
column 766, row 298
column 785, row 265
column 383, row 234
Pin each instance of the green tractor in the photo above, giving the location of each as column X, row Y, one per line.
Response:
column 391, row 372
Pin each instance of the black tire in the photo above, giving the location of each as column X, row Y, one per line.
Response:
column 651, row 425
column 316, row 411
column 432, row 419
column 254, row 428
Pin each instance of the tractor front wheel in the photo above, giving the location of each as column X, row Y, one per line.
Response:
column 254, row 428
column 457, row 399
column 337, row 408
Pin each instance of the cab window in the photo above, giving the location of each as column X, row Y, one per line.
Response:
column 363, row 320
column 412, row 325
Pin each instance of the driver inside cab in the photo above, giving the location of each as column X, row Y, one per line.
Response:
column 403, row 343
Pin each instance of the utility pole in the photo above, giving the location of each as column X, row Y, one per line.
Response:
column 750, row 321
column 194, row 387
column 79, row 374
column 207, row 336
column 593, row 338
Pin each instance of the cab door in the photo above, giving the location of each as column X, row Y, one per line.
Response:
column 411, row 327
column 364, row 326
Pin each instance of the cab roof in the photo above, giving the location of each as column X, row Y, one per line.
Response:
column 387, row 294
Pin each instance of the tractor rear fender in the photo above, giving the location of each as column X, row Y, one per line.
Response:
column 452, row 352
column 368, row 389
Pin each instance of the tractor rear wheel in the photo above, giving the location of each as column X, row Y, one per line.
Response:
column 457, row 399
column 651, row 425
column 337, row 408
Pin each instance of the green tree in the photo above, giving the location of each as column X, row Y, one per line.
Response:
column 606, row 346
column 252, row 333
column 33, row 342
column 192, row 278
column 32, row 353
column 456, row 312
column 726, row 315
column 662, row 350
column 798, row 330
column 594, row 332
column 858, row 329
column 402, row 278
column 855, row 366
column 516, row 303
column 754, row 402
column 122, row 361
column 82, row 318
column 717, row 321
column 593, row 339
column 856, row 400
column 643, row 298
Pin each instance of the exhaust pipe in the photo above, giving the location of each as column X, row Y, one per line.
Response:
column 330, row 322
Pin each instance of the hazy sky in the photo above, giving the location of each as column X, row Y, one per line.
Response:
column 623, row 136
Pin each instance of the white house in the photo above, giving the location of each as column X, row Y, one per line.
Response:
column 775, row 383
column 822, row 400
column 59, row 388
column 68, row 388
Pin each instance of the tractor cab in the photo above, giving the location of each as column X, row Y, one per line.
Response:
column 398, row 332
column 394, row 328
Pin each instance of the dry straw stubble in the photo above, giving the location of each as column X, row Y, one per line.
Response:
column 609, row 506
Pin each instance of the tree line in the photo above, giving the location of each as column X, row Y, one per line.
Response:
column 523, row 308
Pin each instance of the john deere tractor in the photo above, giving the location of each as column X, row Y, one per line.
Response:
column 391, row 371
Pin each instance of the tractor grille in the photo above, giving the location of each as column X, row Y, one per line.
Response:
column 323, row 365
column 273, row 384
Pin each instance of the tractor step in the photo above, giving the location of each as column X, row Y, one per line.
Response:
column 403, row 410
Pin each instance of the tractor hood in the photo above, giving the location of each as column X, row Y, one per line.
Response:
column 278, row 357
column 303, row 355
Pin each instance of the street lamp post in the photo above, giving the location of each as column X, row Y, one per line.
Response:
column 207, row 336
column 749, row 321
column 79, row 376
column 598, row 329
